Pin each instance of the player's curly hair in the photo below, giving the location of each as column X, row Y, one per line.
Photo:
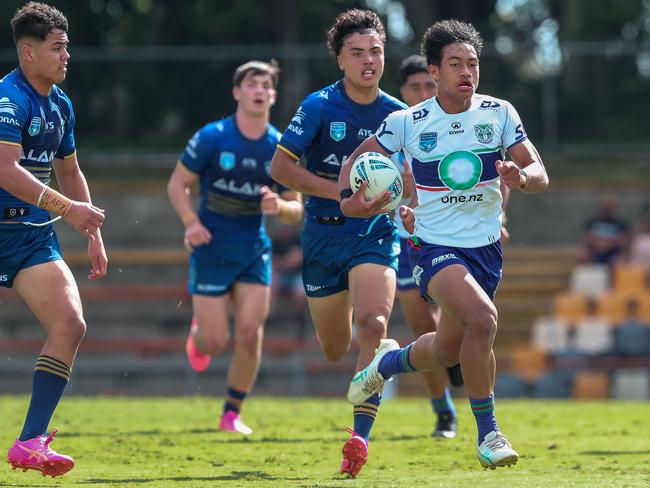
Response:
column 446, row 32
column 412, row 65
column 352, row 22
column 257, row 68
column 37, row 20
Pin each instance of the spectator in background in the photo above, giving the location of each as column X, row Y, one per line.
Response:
column 287, row 274
column 640, row 240
column 605, row 238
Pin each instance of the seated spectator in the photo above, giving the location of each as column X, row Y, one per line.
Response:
column 605, row 237
column 640, row 241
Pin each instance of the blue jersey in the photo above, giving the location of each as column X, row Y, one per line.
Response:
column 232, row 170
column 43, row 128
column 327, row 127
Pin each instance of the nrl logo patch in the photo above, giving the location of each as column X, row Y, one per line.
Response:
column 428, row 141
column 227, row 160
column 337, row 130
column 484, row 133
column 34, row 126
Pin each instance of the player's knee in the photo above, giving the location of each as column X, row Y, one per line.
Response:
column 72, row 329
column 250, row 338
column 484, row 323
column 212, row 344
column 449, row 356
column 371, row 326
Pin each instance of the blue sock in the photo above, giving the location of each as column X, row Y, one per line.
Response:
column 234, row 399
column 444, row 404
column 50, row 379
column 395, row 362
column 483, row 410
column 364, row 415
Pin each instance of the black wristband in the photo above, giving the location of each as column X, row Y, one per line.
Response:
column 346, row 193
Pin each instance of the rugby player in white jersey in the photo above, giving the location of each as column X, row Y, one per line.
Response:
column 455, row 143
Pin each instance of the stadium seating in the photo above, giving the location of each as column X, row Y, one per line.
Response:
column 555, row 384
column 631, row 384
column 612, row 307
column 589, row 279
column 550, row 334
column 528, row 362
column 633, row 339
column 630, row 278
column 590, row 385
column 570, row 307
column 510, row 386
column 593, row 335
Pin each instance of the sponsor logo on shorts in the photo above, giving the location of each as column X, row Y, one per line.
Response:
column 444, row 257
column 313, row 288
column 4, row 278
column 209, row 287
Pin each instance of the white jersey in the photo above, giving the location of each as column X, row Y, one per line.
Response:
column 453, row 160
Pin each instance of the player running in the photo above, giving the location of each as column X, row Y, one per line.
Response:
column 417, row 85
column 349, row 263
column 455, row 144
column 230, row 251
column 36, row 135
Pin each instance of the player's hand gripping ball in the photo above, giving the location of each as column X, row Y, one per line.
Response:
column 380, row 173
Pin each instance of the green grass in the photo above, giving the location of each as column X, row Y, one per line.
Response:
column 173, row 442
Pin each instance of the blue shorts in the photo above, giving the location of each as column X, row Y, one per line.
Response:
column 405, row 280
column 483, row 263
column 216, row 266
column 327, row 260
column 22, row 248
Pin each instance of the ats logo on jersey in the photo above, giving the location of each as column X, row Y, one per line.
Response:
column 227, row 160
column 428, row 141
column 337, row 130
column 34, row 126
column 484, row 133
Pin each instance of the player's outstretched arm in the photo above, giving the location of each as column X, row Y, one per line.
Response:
column 286, row 171
column 287, row 206
column 178, row 191
column 526, row 171
column 73, row 184
column 355, row 205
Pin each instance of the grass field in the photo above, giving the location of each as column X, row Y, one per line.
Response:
column 173, row 442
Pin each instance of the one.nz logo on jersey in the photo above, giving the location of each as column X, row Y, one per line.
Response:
column 337, row 130
column 34, row 126
column 226, row 160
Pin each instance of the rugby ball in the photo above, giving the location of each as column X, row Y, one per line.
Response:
column 380, row 173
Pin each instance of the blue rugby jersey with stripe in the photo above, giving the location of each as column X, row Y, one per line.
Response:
column 232, row 170
column 327, row 127
column 43, row 127
column 453, row 160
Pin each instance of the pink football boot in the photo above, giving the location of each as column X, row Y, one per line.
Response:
column 355, row 454
column 197, row 359
column 36, row 454
column 232, row 422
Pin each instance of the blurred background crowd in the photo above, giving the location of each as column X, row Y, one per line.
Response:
column 145, row 74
